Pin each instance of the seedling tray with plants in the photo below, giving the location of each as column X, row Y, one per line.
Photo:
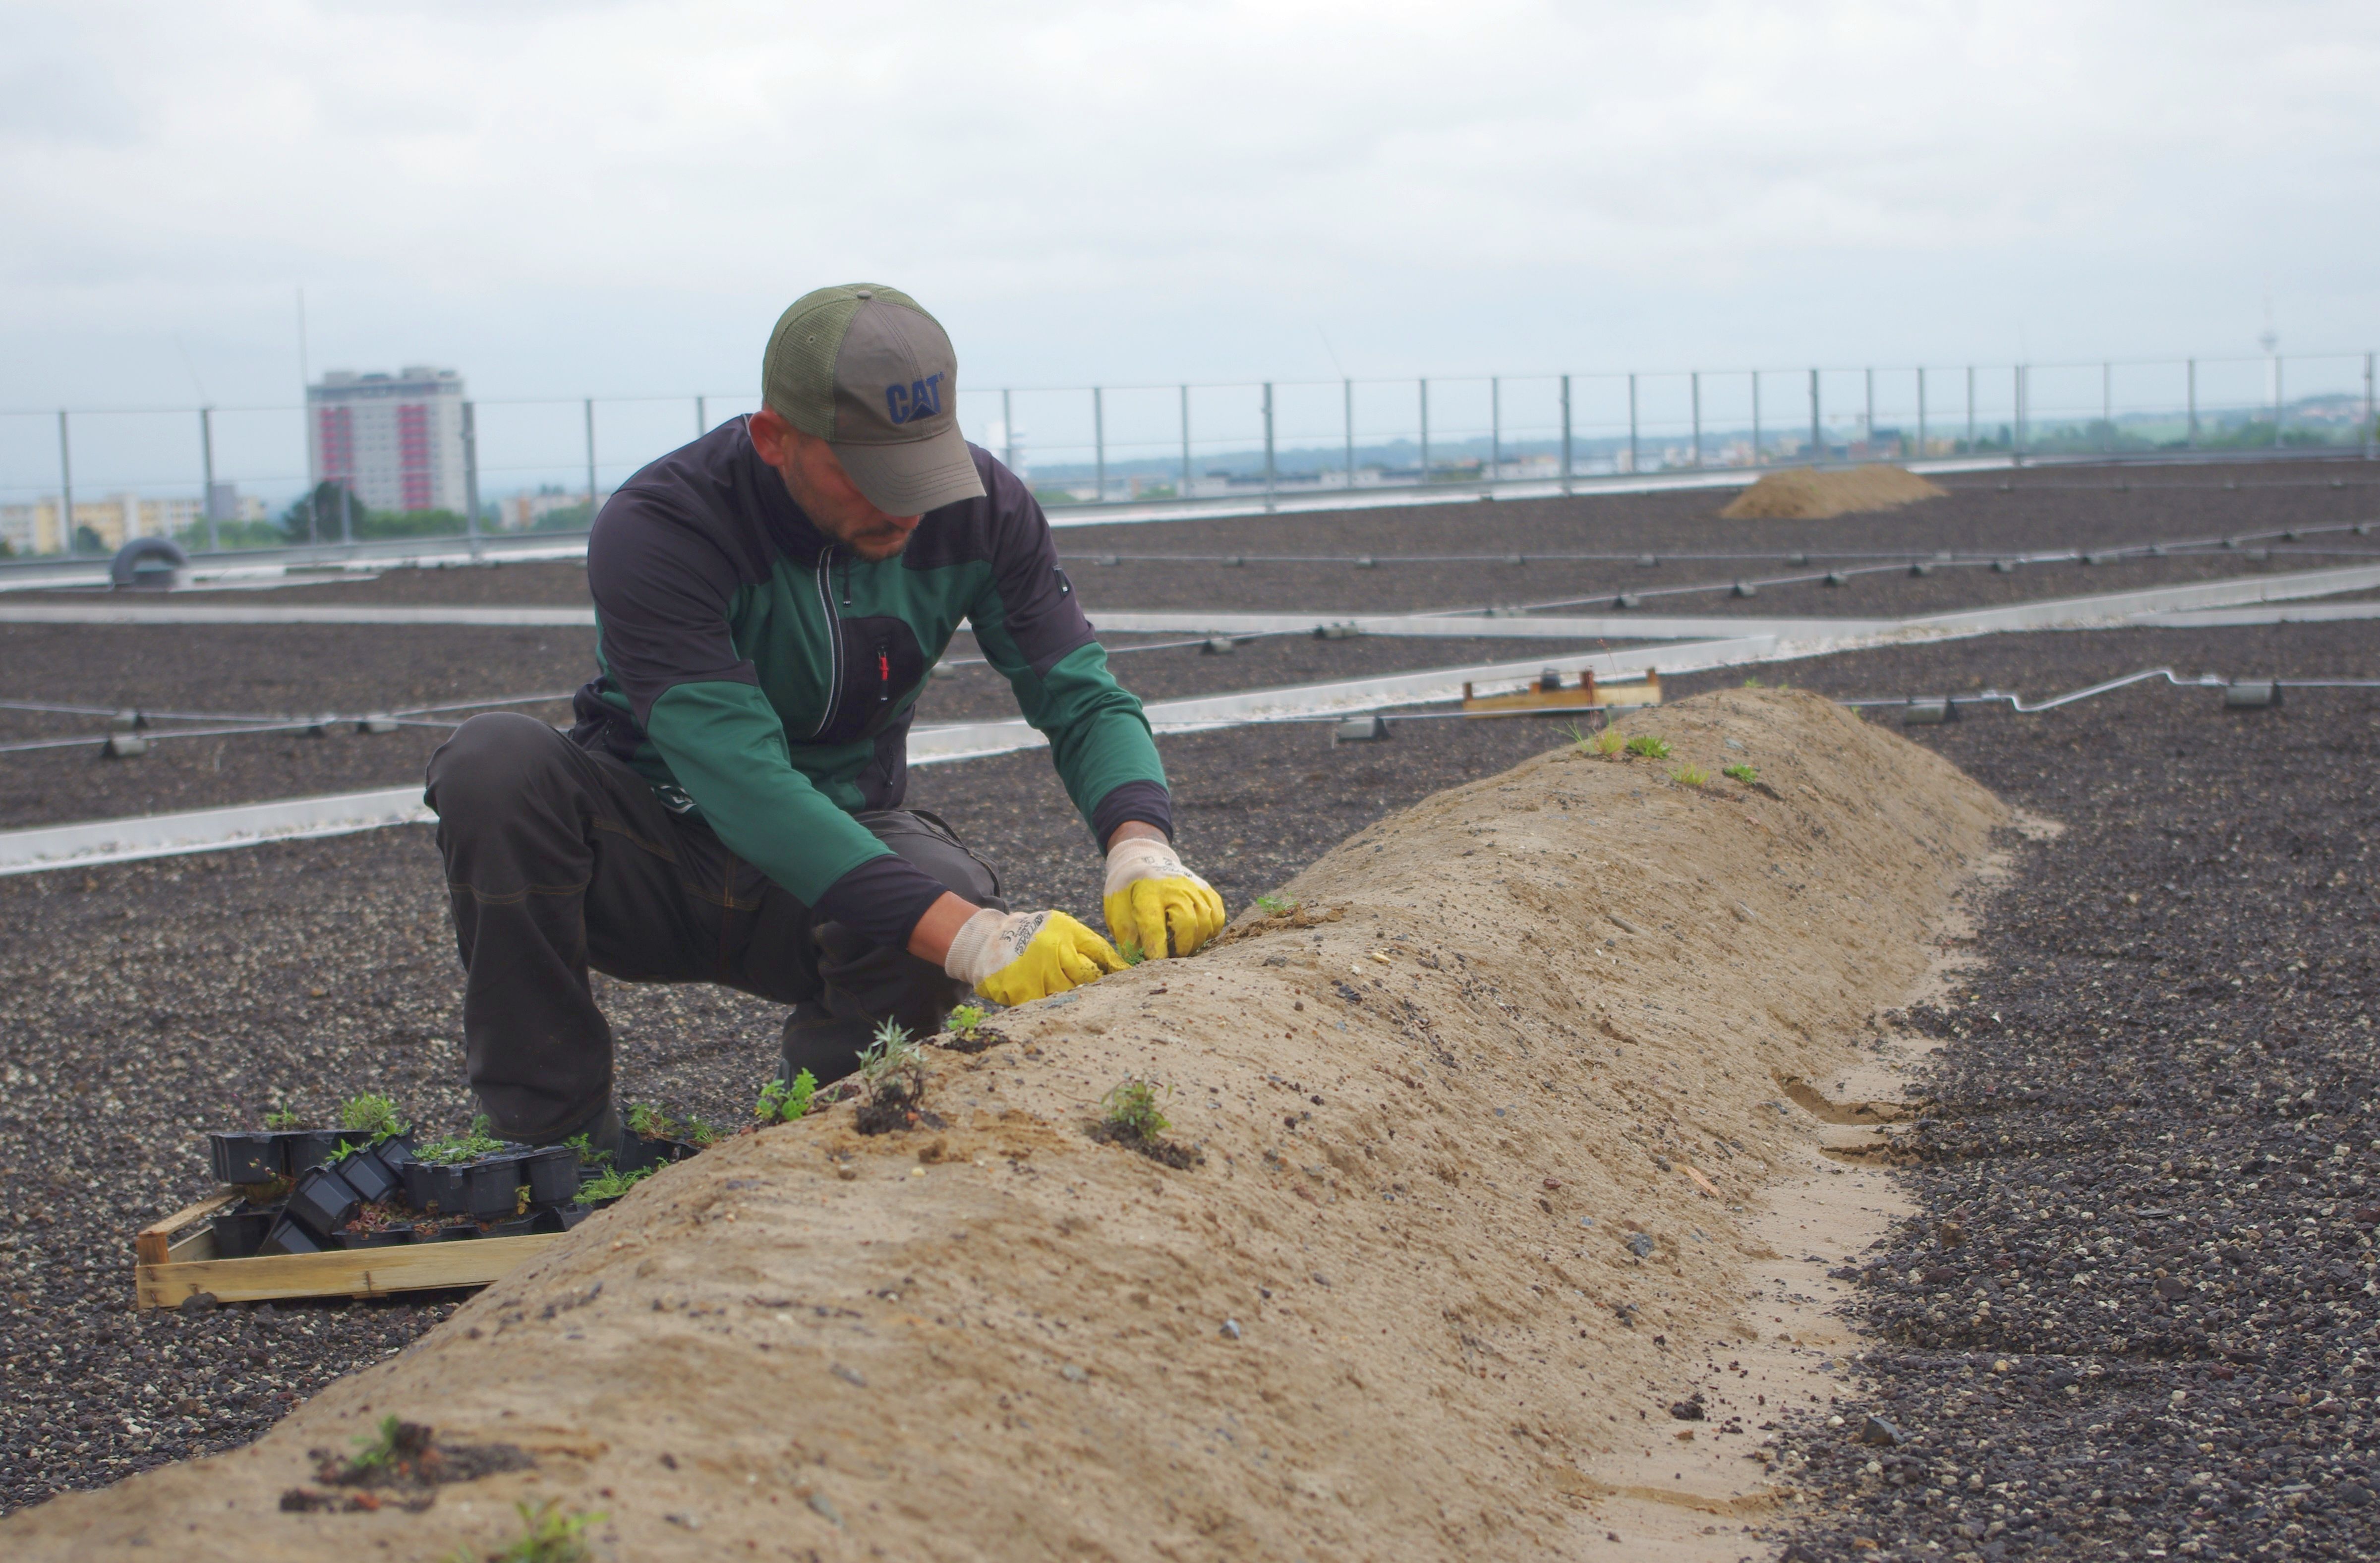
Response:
column 365, row 1210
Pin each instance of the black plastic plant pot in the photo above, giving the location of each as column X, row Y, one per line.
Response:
column 305, row 1148
column 386, row 1237
column 551, row 1174
column 287, row 1237
column 641, row 1153
column 429, row 1186
column 245, row 1158
column 455, row 1233
column 368, row 1174
column 239, row 1233
column 323, row 1202
column 559, row 1218
column 492, row 1186
column 512, row 1226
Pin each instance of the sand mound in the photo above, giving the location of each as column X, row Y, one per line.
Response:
column 1805, row 493
column 1449, row 1237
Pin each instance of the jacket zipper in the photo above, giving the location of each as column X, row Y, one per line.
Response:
column 833, row 640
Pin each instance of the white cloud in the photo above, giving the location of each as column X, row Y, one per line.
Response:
column 615, row 198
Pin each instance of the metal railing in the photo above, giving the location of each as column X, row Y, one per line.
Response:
column 545, row 465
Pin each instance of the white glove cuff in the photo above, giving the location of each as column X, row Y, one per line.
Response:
column 1142, row 857
column 989, row 941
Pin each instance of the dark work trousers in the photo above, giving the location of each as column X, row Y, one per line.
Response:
column 559, row 859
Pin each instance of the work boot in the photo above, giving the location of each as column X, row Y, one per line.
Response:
column 826, row 1045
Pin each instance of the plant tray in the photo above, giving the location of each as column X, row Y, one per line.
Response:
column 1549, row 693
column 176, row 1259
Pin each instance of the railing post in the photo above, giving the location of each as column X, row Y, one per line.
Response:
column 1970, row 409
column 207, row 459
column 1008, row 431
column 2107, row 408
column 1268, row 469
column 2016, row 424
column 1817, row 434
column 2193, row 402
column 1921, row 412
column 1347, row 393
column 1098, row 446
column 1566, row 463
column 471, row 475
column 701, row 418
column 1694, row 382
column 66, row 487
column 1867, row 419
column 2368, row 430
column 2278, row 401
column 1185, row 442
column 590, row 461
column 1756, row 417
column 1633, row 464
column 1425, row 428
column 1495, row 427
column 346, row 514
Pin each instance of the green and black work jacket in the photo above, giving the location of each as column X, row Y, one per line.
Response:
column 759, row 675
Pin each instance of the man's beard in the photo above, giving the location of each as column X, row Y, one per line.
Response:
column 876, row 546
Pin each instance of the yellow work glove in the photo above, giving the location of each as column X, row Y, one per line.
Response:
column 1155, row 903
column 1016, row 957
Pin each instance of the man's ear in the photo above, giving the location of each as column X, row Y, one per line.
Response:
column 772, row 437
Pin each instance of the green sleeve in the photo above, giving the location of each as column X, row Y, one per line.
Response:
column 727, row 747
column 1099, row 735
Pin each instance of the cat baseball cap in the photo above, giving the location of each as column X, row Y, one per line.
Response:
column 864, row 368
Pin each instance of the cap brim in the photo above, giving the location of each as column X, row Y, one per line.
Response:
column 914, row 476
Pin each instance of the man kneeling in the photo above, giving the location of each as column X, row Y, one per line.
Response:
column 768, row 601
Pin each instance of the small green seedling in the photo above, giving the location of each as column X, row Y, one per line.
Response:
column 611, row 1184
column 374, row 1451
column 1132, row 952
column 1132, row 1112
column 282, row 1118
column 783, row 1103
column 700, row 1135
column 548, row 1535
column 1606, row 743
column 373, row 1115
column 1275, row 906
column 893, row 1051
column 587, row 1155
column 1754, row 683
column 966, row 1017
column 1647, row 746
column 1741, row 772
column 651, row 1122
column 455, row 1149
column 1691, row 776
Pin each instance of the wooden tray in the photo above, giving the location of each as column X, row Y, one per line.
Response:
column 176, row 1259
column 1549, row 693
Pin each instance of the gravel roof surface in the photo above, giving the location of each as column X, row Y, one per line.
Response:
column 2136, row 1314
column 142, row 1003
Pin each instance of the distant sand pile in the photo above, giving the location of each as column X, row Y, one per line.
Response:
column 1807, row 494
column 1481, row 1118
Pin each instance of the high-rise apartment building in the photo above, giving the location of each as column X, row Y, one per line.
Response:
column 394, row 440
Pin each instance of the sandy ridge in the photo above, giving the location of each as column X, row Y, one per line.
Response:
column 1375, row 1324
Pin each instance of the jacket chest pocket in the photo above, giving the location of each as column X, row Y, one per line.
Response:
column 881, row 662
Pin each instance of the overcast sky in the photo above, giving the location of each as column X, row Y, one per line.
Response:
column 566, row 199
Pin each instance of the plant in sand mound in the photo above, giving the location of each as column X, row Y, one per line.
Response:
column 374, row 1451
column 1275, row 906
column 548, row 1535
column 1691, row 776
column 1646, row 746
column 1741, row 772
column 1131, row 1112
column 1606, row 743
column 782, row 1101
column 892, row 1072
column 1131, row 952
column 1130, row 1117
column 372, row 1115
